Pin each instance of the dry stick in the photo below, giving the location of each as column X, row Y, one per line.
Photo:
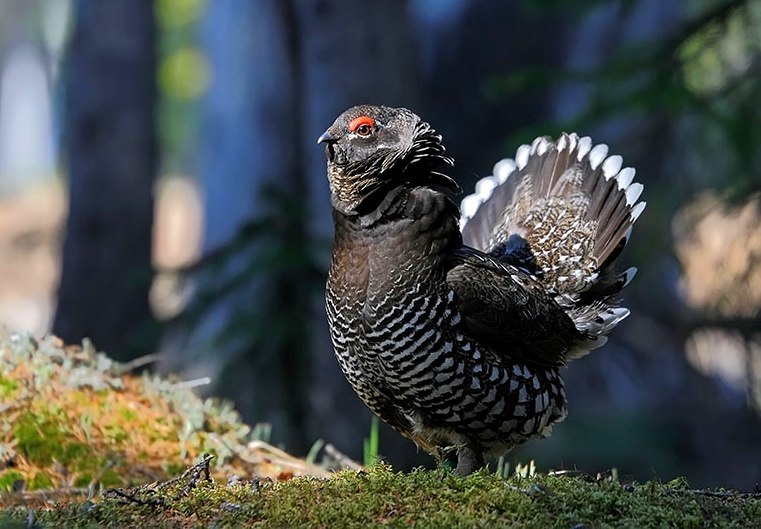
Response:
column 140, row 362
column 279, row 457
column 133, row 498
column 200, row 468
column 194, row 472
column 341, row 458
column 190, row 384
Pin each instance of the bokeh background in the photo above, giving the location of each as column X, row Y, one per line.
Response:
column 161, row 193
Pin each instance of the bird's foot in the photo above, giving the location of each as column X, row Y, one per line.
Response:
column 469, row 459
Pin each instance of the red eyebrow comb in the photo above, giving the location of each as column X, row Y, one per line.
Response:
column 361, row 120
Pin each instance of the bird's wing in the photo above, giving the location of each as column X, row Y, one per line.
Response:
column 509, row 311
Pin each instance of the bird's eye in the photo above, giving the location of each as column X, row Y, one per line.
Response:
column 363, row 125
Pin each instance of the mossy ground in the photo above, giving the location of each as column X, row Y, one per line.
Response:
column 73, row 423
column 422, row 498
column 73, row 420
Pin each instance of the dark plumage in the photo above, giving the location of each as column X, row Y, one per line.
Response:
column 452, row 325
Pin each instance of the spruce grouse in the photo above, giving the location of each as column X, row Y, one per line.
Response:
column 452, row 324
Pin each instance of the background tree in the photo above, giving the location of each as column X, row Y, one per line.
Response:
column 111, row 155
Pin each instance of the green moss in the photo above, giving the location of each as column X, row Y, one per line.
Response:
column 173, row 468
column 115, row 433
column 72, row 453
column 110, row 478
column 76, row 413
column 421, row 498
column 44, row 438
column 83, row 479
column 7, row 387
column 40, row 481
column 9, row 478
column 127, row 414
column 13, row 521
column 39, row 437
column 103, row 470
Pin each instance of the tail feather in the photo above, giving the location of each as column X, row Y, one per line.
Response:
column 574, row 205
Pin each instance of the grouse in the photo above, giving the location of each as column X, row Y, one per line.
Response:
column 452, row 324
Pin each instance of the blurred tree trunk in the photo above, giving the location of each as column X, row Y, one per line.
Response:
column 246, row 145
column 253, row 339
column 111, row 157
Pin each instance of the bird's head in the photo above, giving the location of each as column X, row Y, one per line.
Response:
column 374, row 149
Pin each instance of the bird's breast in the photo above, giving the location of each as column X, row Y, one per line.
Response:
column 387, row 296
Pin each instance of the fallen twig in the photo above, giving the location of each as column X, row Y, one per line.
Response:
column 133, row 498
column 143, row 495
column 342, row 459
column 140, row 362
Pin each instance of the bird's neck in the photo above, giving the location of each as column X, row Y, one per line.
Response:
column 360, row 194
column 409, row 245
column 383, row 205
column 401, row 214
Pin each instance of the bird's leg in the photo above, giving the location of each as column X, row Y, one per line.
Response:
column 469, row 459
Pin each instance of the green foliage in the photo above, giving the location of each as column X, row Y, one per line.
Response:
column 9, row 479
column 370, row 444
column 503, row 467
column 42, row 481
column 422, row 498
column 42, row 437
column 183, row 75
column 526, row 471
column 7, row 387
column 261, row 432
column 311, row 457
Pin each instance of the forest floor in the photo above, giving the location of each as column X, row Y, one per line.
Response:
column 422, row 498
column 84, row 442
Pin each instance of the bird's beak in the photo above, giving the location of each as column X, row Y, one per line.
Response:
column 327, row 137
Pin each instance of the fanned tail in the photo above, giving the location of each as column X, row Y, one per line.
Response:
column 563, row 212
